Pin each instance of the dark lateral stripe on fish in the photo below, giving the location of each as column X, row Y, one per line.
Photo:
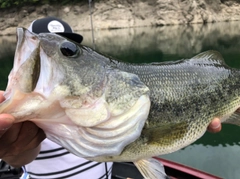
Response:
column 63, row 171
column 53, row 150
column 52, row 156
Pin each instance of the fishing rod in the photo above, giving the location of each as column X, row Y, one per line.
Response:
column 91, row 21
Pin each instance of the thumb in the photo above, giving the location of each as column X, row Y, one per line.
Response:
column 6, row 121
column 1, row 96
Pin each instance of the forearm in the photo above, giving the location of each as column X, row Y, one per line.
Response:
column 23, row 158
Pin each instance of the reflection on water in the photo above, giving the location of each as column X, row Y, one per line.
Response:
column 214, row 153
column 167, row 42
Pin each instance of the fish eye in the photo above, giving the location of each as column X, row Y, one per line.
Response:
column 69, row 49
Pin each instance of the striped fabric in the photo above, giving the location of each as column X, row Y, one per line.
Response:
column 55, row 162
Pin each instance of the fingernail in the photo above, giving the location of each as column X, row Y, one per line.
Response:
column 215, row 126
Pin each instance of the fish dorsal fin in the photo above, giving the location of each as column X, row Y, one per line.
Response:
column 234, row 118
column 151, row 169
column 208, row 58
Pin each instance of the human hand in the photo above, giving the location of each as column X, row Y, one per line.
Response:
column 18, row 141
column 215, row 126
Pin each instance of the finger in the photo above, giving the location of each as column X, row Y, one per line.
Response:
column 1, row 96
column 215, row 126
column 40, row 136
column 6, row 121
column 18, row 147
column 20, row 138
column 10, row 136
column 7, row 132
column 28, row 132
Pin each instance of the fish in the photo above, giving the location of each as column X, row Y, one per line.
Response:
column 104, row 110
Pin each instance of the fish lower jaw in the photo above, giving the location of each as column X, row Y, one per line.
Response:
column 23, row 106
column 105, row 139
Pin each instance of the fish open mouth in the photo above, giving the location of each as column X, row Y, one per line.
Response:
column 25, row 73
column 27, row 64
column 34, row 58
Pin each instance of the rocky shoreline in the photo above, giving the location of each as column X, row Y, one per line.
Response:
column 112, row 14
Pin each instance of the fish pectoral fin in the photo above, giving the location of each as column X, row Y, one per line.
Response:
column 151, row 169
column 165, row 134
column 234, row 118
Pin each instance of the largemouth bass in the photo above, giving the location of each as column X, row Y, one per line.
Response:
column 105, row 110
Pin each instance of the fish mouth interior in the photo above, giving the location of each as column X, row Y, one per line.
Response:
column 31, row 41
column 25, row 73
column 24, row 76
column 27, row 61
column 36, row 72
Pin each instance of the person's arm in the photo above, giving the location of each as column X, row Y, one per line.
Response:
column 19, row 142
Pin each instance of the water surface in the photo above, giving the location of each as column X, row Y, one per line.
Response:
column 214, row 153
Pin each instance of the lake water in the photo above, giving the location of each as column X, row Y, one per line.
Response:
column 214, row 153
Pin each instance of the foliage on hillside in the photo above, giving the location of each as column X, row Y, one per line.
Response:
column 17, row 3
